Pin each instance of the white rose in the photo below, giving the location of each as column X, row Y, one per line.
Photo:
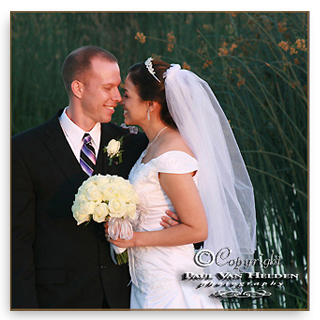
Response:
column 109, row 191
column 88, row 207
column 116, row 180
column 106, row 188
column 131, row 211
column 113, row 147
column 101, row 212
column 80, row 217
column 117, row 208
column 100, row 179
column 82, row 210
column 81, row 196
column 127, row 192
column 92, row 192
column 86, row 183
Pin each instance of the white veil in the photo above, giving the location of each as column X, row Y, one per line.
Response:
column 224, row 183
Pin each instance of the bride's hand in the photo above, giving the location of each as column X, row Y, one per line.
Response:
column 106, row 225
column 121, row 243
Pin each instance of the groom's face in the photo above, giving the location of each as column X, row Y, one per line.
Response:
column 100, row 90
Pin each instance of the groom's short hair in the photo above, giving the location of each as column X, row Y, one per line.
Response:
column 78, row 62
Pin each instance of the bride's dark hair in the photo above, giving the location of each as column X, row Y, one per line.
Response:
column 149, row 89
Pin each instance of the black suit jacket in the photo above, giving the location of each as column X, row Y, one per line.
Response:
column 55, row 263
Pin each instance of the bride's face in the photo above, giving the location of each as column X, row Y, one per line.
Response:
column 135, row 110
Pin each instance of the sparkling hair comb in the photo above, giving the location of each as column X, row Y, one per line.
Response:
column 148, row 64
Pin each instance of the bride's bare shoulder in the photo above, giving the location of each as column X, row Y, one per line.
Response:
column 174, row 141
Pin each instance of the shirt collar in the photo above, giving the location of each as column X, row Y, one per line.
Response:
column 75, row 133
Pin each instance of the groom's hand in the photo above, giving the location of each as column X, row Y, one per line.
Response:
column 170, row 220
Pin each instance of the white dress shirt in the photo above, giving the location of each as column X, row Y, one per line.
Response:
column 74, row 134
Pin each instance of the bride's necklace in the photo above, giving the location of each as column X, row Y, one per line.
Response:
column 156, row 137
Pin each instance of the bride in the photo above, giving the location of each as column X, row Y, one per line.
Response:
column 192, row 166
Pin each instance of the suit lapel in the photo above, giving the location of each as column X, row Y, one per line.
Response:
column 61, row 151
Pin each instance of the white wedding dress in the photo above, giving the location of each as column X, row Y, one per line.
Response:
column 156, row 271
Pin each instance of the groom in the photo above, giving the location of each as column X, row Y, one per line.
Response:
column 55, row 263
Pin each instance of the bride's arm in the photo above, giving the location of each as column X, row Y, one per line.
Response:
column 184, row 195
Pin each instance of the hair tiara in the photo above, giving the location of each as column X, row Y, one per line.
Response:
column 149, row 66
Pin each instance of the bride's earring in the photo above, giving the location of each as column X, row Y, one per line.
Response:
column 148, row 115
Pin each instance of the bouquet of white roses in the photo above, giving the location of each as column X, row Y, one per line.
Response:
column 111, row 198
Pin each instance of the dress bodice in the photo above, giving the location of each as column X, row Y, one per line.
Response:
column 145, row 179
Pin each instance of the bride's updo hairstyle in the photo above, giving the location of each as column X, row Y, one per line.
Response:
column 151, row 87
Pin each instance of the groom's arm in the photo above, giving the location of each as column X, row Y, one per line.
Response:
column 23, row 291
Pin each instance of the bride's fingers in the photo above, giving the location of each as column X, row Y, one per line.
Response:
column 110, row 240
column 119, row 243
column 106, row 225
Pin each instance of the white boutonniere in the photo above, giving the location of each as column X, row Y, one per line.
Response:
column 113, row 149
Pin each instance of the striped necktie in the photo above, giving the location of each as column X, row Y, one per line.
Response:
column 87, row 155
